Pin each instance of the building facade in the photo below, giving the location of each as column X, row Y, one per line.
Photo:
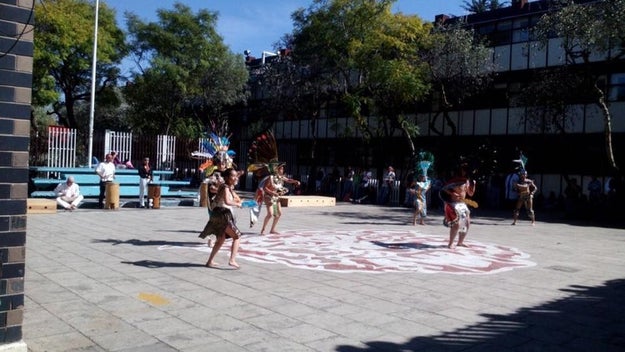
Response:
column 494, row 121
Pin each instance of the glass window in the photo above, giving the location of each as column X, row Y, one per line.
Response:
column 504, row 25
column 486, row 29
column 616, row 90
column 521, row 23
column 520, row 35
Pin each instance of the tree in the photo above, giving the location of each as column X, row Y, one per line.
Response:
column 480, row 6
column 460, row 67
column 63, row 58
column 584, row 31
column 187, row 76
column 364, row 57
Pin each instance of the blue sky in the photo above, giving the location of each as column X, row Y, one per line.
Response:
column 256, row 25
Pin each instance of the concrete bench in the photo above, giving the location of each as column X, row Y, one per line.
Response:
column 91, row 171
column 124, row 191
column 89, row 182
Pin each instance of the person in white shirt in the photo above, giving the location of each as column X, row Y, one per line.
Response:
column 68, row 193
column 106, row 171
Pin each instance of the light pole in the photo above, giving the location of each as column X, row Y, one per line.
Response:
column 93, row 83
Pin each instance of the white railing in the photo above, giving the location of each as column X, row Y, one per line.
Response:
column 119, row 142
column 61, row 147
column 166, row 152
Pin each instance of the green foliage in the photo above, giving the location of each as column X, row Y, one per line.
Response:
column 364, row 58
column 63, row 57
column 187, row 75
column 480, row 6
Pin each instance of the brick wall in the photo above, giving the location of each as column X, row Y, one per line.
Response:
column 16, row 61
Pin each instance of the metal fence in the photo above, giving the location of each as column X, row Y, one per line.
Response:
column 61, row 147
column 119, row 142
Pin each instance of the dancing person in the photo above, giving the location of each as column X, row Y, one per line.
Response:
column 145, row 177
column 419, row 190
column 526, row 189
column 264, row 163
column 106, row 171
column 217, row 159
column 272, row 188
column 222, row 222
column 68, row 194
column 457, row 214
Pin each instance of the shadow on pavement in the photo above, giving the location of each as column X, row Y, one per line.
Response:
column 406, row 245
column 136, row 242
column 154, row 264
column 589, row 319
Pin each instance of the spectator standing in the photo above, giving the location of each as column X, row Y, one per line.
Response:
column 595, row 192
column 106, row 171
column 145, row 177
column 319, row 179
column 68, row 194
column 387, row 185
column 511, row 195
column 572, row 200
column 348, row 184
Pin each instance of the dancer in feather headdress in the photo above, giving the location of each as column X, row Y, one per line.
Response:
column 216, row 150
column 421, row 186
column 457, row 214
column 264, row 163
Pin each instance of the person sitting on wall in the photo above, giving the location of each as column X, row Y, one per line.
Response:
column 68, row 194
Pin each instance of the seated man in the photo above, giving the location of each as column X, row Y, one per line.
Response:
column 68, row 194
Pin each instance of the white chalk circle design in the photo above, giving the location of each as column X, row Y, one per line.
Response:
column 376, row 252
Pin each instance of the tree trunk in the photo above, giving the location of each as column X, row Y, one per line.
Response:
column 607, row 120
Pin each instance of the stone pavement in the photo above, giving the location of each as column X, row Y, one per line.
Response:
column 344, row 278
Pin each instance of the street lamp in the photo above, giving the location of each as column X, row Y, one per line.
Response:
column 93, row 83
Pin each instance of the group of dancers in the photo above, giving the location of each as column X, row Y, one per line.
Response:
column 456, row 195
column 222, row 179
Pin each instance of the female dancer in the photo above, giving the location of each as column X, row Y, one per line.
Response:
column 272, row 189
column 222, row 222
column 420, row 203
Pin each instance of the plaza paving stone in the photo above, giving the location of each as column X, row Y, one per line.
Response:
column 343, row 278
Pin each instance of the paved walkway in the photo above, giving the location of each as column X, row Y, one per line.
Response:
column 345, row 278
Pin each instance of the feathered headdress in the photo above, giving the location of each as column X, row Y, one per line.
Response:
column 215, row 148
column 263, row 153
column 521, row 160
column 424, row 161
column 211, row 146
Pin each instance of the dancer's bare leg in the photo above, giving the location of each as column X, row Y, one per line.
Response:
column 461, row 240
column 233, row 253
column 218, row 243
column 267, row 218
column 453, row 231
column 517, row 210
column 464, row 234
column 276, row 217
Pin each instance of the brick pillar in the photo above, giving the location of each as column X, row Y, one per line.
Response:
column 16, row 64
